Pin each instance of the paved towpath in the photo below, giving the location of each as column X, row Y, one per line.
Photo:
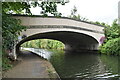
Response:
column 31, row 66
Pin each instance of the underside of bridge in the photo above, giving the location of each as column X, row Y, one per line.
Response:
column 72, row 40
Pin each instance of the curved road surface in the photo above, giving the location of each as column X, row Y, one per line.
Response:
column 31, row 66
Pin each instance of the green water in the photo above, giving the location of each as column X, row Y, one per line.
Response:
column 85, row 65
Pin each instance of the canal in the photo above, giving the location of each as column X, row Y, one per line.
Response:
column 78, row 65
column 85, row 65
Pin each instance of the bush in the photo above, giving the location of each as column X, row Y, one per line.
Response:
column 6, row 64
column 111, row 47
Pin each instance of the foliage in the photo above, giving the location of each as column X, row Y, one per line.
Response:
column 6, row 63
column 24, row 7
column 15, row 7
column 112, row 42
column 44, row 43
column 49, row 7
column 111, row 47
column 100, row 23
column 113, row 31
column 11, row 28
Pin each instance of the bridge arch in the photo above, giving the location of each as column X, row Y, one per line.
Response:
column 33, row 31
column 72, row 40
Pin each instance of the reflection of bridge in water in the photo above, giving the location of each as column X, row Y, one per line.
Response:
column 76, row 35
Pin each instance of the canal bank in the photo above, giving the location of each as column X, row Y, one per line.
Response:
column 31, row 66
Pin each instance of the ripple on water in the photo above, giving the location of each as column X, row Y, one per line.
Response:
column 106, row 75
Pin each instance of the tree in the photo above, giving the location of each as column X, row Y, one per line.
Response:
column 76, row 16
column 112, row 42
column 11, row 28
column 111, row 47
column 49, row 7
column 20, row 7
column 15, row 7
column 113, row 31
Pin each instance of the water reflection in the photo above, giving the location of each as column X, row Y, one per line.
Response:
column 84, row 65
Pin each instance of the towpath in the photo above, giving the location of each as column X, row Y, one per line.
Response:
column 31, row 66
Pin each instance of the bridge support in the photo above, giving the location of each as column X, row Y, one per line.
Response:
column 14, row 53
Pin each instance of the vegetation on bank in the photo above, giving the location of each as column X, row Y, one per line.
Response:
column 111, row 47
column 6, row 63
column 11, row 28
column 44, row 44
column 111, row 44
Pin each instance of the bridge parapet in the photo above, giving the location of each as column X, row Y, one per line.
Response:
column 52, row 21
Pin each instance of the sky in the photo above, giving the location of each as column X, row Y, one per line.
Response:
column 94, row 10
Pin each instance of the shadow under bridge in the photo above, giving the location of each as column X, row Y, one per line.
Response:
column 73, row 41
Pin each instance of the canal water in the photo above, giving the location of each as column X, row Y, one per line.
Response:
column 91, row 65
column 78, row 65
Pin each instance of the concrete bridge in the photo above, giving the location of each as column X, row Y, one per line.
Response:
column 76, row 35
